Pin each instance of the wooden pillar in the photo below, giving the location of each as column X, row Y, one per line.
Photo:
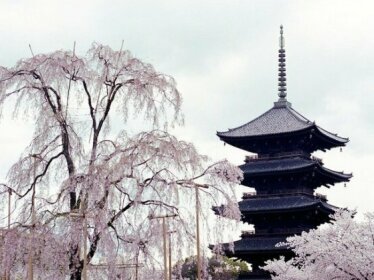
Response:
column 170, row 272
column 198, row 233
column 85, row 247
column 164, row 232
column 165, row 250
column 7, row 272
column 30, row 271
column 137, row 266
column 170, row 259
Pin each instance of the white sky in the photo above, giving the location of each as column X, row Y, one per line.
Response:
column 223, row 55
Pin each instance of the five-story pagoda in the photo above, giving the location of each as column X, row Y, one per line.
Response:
column 284, row 174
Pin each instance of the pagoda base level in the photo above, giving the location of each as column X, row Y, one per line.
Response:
column 254, row 275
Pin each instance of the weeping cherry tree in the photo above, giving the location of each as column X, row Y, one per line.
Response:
column 83, row 189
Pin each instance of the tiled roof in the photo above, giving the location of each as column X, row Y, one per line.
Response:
column 274, row 165
column 279, row 203
column 276, row 120
column 331, row 135
column 281, row 118
column 277, row 164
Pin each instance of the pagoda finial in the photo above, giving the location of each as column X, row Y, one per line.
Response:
column 281, row 39
column 282, row 68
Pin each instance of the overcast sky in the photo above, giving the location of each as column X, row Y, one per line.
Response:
column 223, row 55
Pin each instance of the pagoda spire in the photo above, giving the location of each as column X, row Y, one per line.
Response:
column 282, row 68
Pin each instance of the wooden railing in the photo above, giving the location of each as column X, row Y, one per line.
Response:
column 321, row 196
column 278, row 232
column 254, row 195
column 249, row 194
column 248, row 232
column 256, row 157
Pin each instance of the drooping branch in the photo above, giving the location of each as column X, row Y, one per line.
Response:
column 39, row 176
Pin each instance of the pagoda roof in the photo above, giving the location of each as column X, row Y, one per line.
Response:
column 258, row 243
column 272, row 165
column 260, row 167
column 280, row 203
column 254, row 245
column 280, row 119
column 284, row 204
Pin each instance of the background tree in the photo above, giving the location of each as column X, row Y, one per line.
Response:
column 218, row 268
column 343, row 250
column 90, row 169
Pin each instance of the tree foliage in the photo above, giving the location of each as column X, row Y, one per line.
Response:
column 88, row 169
column 343, row 250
